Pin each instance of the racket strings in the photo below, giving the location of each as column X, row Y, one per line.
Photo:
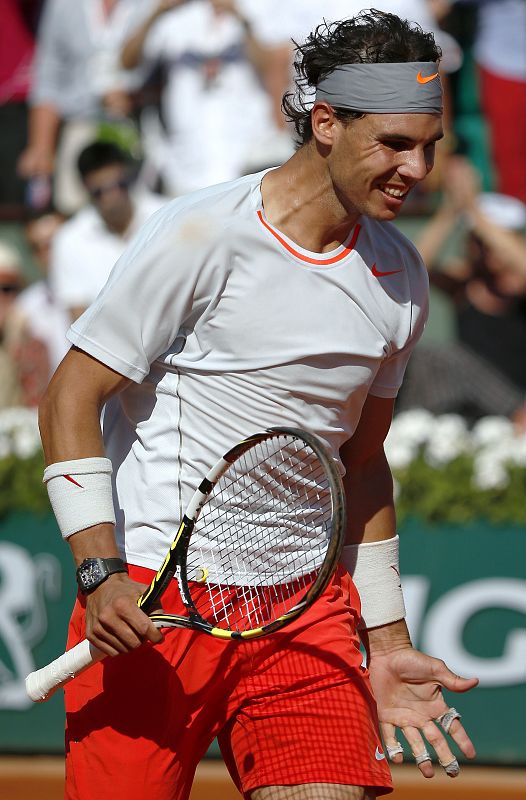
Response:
column 262, row 535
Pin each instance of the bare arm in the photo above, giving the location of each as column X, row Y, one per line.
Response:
column 406, row 683
column 368, row 481
column 69, row 419
column 133, row 50
column 369, row 489
column 39, row 155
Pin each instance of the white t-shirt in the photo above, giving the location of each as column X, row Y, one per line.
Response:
column 214, row 105
column 85, row 250
column 45, row 320
column 500, row 44
column 227, row 327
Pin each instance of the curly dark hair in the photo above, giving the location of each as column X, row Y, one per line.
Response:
column 370, row 37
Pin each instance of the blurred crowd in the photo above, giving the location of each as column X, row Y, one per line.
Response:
column 110, row 108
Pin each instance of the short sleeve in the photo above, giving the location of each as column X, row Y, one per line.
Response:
column 163, row 279
column 388, row 379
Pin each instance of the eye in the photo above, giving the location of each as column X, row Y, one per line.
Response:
column 398, row 145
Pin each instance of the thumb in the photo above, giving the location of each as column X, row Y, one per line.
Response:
column 455, row 683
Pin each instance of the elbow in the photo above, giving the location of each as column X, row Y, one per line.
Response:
column 127, row 59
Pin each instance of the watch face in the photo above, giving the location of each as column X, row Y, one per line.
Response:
column 90, row 573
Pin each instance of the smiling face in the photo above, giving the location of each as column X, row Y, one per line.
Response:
column 374, row 161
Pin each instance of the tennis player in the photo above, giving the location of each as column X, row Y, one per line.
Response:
column 282, row 298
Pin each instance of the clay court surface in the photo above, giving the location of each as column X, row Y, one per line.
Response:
column 41, row 778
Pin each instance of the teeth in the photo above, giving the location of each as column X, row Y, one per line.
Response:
column 393, row 192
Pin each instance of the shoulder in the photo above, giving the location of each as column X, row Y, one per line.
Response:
column 396, row 250
column 81, row 224
column 212, row 209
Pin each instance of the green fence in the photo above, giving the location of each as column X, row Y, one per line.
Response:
column 465, row 590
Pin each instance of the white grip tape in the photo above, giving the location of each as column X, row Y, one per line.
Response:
column 80, row 493
column 43, row 683
column 375, row 570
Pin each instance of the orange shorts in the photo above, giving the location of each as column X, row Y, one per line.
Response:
column 294, row 707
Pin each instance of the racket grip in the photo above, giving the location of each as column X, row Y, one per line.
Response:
column 43, row 683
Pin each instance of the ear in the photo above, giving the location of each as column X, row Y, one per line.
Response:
column 324, row 123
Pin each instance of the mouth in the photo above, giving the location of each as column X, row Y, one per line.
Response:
column 394, row 192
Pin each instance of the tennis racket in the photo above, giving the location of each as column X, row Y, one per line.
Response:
column 257, row 545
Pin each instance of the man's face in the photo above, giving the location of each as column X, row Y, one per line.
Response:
column 375, row 161
column 108, row 188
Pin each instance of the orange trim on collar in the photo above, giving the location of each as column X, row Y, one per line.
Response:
column 321, row 262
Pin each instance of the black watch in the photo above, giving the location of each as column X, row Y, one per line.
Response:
column 94, row 571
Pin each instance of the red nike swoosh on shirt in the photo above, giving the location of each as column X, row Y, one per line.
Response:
column 377, row 274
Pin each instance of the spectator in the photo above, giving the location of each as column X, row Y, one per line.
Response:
column 16, row 54
column 11, row 282
column 87, row 246
column 500, row 51
column 485, row 371
column 36, row 325
column 76, row 83
column 215, row 64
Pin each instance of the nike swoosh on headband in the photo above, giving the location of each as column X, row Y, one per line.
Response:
column 378, row 274
column 421, row 79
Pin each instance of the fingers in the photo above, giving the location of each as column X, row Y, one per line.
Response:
column 459, row 735
column 419, row 734
column 449, row 680
column 418, row 748
column 114, row 622
column 395, row 751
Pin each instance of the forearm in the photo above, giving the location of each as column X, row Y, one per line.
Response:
column 510, row 246
column 257, row 53
column 371, row 554
column 431, row 240
column 132, row 52
column 69, row 420
column 369, row 492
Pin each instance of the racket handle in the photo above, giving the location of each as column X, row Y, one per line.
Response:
column 43, row 683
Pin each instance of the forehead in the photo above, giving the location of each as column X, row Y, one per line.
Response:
column 106, row 173
column 414, row 127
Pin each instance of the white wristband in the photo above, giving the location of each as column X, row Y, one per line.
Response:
column 80, row 493
column 375, row 570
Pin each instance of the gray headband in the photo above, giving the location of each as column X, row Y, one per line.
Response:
column 409, row 88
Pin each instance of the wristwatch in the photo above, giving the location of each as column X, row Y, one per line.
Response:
column 94, row 571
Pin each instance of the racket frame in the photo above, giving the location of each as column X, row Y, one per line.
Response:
column 174, row 564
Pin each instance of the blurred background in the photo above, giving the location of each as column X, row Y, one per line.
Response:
column 110, row 108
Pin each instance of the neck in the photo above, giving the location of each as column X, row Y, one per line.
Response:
column 300, row 201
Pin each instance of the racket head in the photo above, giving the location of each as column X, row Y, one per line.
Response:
column 260, row 538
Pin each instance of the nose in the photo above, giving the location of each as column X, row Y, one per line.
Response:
column 417, row 164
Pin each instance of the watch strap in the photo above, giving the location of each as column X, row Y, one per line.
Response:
column 109, row 567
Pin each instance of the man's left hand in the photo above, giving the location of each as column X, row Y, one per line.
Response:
column 407, row 685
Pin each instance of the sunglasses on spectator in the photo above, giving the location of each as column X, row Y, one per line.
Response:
column 96, row 192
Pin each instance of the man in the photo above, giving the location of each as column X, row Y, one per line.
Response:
column 279, row 298
column 77, row 83
column 37, row 325
column 212, row 58
column 87, row 246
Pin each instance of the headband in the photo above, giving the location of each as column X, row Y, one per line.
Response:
column 408, row 88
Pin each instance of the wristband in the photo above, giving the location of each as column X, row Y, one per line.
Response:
column 80, row 493
column 375, row 570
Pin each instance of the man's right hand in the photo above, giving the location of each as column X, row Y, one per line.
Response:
column 35, row 161
column 114, row 622
column 167, row 5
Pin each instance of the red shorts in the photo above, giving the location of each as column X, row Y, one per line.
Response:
column 294, row 707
